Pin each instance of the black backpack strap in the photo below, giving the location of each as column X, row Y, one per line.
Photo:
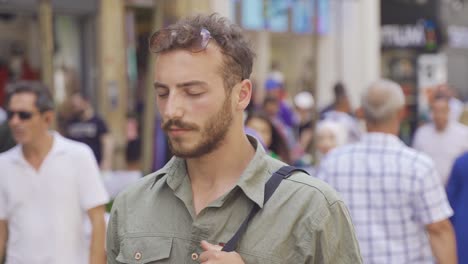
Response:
column 270, row 187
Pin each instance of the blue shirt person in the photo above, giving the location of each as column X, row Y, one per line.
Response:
column 457, row 193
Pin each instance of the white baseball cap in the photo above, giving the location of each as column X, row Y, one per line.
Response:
column 304, row 100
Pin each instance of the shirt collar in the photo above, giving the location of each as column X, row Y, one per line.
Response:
column 251, row 182
column 378, row 138
column 58, row 146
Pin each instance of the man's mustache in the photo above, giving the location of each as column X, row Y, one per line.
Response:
column 176, row 123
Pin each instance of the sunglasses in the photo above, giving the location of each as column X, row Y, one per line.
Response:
column 23, row 115
column 160, row 40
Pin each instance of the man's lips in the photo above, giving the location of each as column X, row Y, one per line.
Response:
column 177, row 131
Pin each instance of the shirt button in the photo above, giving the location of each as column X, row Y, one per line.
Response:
column 138, row 255
column 194, row 256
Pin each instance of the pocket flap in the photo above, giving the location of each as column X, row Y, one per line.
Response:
column 144, row 249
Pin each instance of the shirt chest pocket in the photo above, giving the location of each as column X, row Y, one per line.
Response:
column 145, row 250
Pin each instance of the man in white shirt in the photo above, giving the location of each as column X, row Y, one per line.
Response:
column 48, row 185
column 444, row 139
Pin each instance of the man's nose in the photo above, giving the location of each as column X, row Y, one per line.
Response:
column 174, row 107
column 14, row 120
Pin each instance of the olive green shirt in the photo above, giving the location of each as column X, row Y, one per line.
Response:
column 304, row 221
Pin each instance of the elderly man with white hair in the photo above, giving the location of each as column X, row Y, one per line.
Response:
column 397, row 202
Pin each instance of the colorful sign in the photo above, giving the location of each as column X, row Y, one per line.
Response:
column 298, row 16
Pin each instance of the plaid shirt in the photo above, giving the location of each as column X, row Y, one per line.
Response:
column 392, row 192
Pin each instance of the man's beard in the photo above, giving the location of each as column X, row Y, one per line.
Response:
column 79, row 114
column 212, row 134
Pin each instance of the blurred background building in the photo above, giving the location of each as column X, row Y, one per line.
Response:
column 99, row 47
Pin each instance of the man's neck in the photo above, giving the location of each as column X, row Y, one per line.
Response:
column 35, row 152
column 441, row 129
column 383, row 128
column 216, row 173
column 87, row 114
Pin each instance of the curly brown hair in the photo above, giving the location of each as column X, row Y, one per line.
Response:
column 238, row 55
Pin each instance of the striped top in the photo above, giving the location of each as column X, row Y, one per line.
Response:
column 392, row 192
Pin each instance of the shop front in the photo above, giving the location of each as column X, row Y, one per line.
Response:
column 61, row 54
column 410, row 34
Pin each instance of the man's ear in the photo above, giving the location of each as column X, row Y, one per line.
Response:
column 360, row 113
column 243, row 94
column 49, row 117
column 402, row 113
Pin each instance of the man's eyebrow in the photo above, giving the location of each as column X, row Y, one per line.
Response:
column 191, row 83
column 157, row 84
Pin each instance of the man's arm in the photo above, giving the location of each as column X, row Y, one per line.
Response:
column 107, row 143
column 442, row 239
column 336, row 241
column 3, row 239
column 112, row 240
column 97, row 252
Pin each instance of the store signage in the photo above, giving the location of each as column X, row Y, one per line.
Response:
column 403, row 36
column 419, row 35
column 458, row 36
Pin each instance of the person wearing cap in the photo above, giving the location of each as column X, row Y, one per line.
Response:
column 275, row 88
column 340, row 111
column 190, row 210
column 304, row 102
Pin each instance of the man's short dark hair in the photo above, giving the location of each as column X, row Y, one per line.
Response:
column 133, row 150
column 339, row 90
column 269, row 99
column 238, row 55
column 44, row 101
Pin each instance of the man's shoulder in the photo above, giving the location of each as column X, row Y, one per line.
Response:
column 462, row 159
column 73, row 146
column 97, row 119
column 424, row 130
column 342, row 152
column 137, row 189
column 309, row 186
column 460, row 128
column 403, row 152
column 7, row 157
column 10, row 153
column 303, row 185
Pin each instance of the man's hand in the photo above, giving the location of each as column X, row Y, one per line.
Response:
column 212, row 254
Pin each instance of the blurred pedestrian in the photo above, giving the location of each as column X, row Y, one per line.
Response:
column 329, row 135
column 189, row 209
column 275, row 88
column 271, row 107
column 340, row 111
column 444, row 139
column 116, row 181
column 397, row 203
column 340, row 101
column 457, row 192
column 304, row 103
column 47, row 186
column 272, row 139
column 275, row 72
column 87, row 127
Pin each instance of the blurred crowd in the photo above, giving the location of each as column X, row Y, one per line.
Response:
column 291, row 129
column 357, row 151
